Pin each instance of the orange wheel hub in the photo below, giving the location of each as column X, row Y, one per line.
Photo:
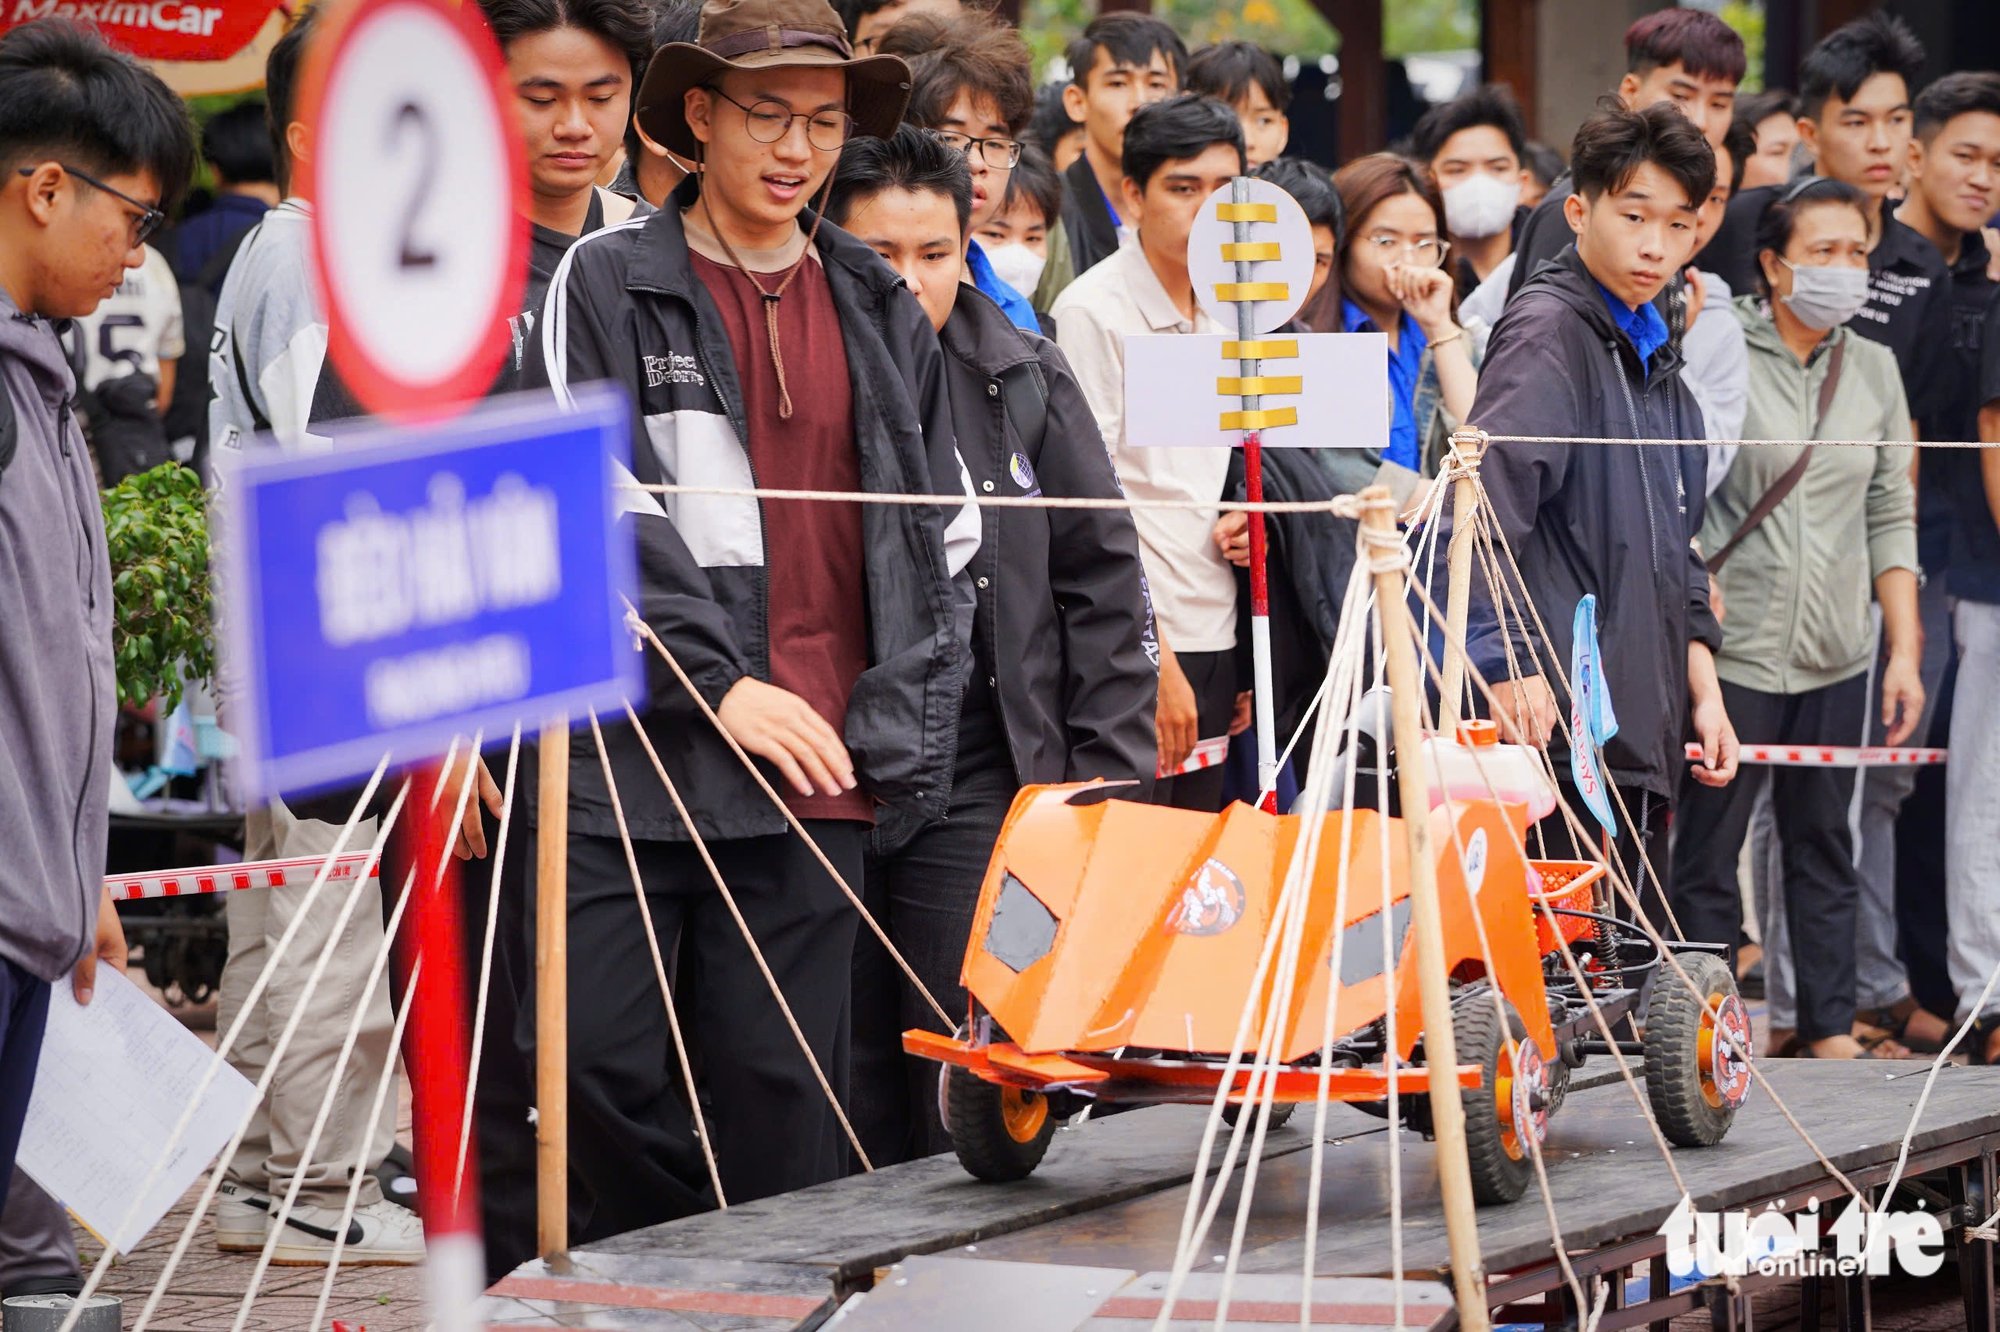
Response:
column 1023, row 1113
column 1721, row 1051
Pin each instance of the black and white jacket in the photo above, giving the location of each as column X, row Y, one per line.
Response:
column 625, row 307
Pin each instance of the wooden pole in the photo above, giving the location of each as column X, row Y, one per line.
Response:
column 1468, row 1273
column 1464, row 503
column 552, row 993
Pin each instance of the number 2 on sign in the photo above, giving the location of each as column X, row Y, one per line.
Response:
column 411, row 118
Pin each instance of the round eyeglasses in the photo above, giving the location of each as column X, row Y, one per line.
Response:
column 771, row 120
column 998, row 154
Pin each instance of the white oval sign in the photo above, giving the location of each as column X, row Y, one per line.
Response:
column 1208, row 269
column 415, row 177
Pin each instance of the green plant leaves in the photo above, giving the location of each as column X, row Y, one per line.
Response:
column 162, row 632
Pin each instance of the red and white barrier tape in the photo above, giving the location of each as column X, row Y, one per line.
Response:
column 228, row 878
column 1831, row 756
column 1205, row 754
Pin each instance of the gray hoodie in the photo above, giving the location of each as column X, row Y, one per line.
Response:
column 58, row 699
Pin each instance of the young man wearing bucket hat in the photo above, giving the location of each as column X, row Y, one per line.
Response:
column 759, row 348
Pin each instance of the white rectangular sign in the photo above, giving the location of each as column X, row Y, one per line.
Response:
column 1171, row 399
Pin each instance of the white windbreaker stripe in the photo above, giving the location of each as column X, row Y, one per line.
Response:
column 555, row 314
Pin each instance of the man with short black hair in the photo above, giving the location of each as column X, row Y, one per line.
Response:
column 1855, row 119
column 1175, row 154
column 1122, row 62
column 236, row 144
column 96, row 151
column 971, row 89
column 1583, row 353
column 1062, row 685
column 1473, row 146
column 1252, row 82
column 1687, row 58
column 757, row 347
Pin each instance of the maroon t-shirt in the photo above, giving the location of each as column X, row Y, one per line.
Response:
column 818, row 609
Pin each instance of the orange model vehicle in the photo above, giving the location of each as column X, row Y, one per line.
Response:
column 1115, row 944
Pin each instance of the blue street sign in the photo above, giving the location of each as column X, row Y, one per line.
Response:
column 416, row 583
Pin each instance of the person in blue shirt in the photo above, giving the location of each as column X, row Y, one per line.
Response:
column 1393, row 282
column 971, row 89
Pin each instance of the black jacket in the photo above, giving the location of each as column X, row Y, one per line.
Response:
column 1093, row 234
column 1062, row 613
column 624, row 306
column 1310, row 558
column 1615, row 520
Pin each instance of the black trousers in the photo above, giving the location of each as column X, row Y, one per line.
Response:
column 634, row 1157
column 924, row 895
column 1213, row 678
column 1640, row 848
column 24, row 1012
column 1821, row 886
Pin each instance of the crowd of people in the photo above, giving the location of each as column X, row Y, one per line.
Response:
column 863, row 251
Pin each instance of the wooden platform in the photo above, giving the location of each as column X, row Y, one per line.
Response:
column 1102, row 1215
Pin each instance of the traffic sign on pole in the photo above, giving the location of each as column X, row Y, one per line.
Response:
column 411, row 586
column 417, row 182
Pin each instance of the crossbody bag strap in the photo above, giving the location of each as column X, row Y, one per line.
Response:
column 1785, row 484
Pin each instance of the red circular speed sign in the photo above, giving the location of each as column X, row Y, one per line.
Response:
column 416, row 178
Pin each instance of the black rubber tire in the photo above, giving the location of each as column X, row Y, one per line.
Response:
column 978, row 1125
column 1496, row 1176
column 1673, row 1065
column 1281, row 1113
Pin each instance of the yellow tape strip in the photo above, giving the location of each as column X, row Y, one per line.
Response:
column 1265, row 420
column 1262, row 349
column 1249, row 252
column 1252, row 291
column 1260, row 385
column 1247, row 212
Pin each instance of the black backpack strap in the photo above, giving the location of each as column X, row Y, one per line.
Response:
column 1025, row 394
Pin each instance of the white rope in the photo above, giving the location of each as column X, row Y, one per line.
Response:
column 228, row 1043
column 659, row 962
column 1930, row 1079
column 1344, row 506
column 275, row 1231
column 641, row 629
column 283, row 1043
column 359, row 1170
column 756, row 954
column 497, row 866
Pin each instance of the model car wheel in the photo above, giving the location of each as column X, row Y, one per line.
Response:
column 1000, row 1133
column 1507, row 1115
column 1697, row 1069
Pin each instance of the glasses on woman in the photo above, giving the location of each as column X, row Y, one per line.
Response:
column 998, row 154
column 148, row 220
column 1428, row 250
column 771, row 120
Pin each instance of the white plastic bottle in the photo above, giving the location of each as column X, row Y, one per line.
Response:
column 1476, row 766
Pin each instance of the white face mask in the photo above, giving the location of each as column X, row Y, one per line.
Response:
column 1016, row 265
column 1826, row 295
column 1480, row 206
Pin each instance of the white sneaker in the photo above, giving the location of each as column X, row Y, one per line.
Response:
column 242, row 1218
column 380, row 1235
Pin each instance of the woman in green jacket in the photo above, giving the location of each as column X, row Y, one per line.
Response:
column 1797, row 539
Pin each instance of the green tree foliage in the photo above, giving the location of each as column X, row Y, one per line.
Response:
column 1289, row 27
column 156, row 529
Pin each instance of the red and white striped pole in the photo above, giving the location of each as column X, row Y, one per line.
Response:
column 437, row 1051
column 1260, row 588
